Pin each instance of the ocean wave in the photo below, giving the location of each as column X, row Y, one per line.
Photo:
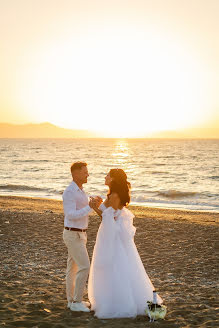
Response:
column 170, row 194
column 159, row 164
column 214, row 177
column 189, row 205
column 176, row 193
column 31, row 161
column 30, row 169
column 159, row 172
column 186, row 202
column 12, row 187
column 21, row 187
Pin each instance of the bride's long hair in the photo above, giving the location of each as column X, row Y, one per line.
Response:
column 120, row 185
column 119, row 176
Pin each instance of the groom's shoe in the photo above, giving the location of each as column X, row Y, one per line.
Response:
column 87, row 304
column 79, row 307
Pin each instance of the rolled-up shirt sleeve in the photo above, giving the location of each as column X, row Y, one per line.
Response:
column 69, row 206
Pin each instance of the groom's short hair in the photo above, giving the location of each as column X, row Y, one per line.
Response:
column 77, row 166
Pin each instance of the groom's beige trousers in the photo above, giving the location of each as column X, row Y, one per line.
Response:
column 78, row 264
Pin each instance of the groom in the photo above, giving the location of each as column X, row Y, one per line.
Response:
column 77, row 207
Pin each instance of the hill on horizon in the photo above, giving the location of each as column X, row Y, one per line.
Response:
column 48, row 130
column 41, row 130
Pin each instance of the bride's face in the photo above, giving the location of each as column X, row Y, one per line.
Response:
column 108, row 179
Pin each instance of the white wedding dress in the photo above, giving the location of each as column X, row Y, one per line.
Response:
column 118, row 285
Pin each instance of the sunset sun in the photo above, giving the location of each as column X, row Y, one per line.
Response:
column 122, row 82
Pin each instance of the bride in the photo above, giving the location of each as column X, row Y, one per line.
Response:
column 118, row 285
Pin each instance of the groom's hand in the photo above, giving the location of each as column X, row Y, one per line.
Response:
column 95, row 202
column 98, row 201
column 92, row 203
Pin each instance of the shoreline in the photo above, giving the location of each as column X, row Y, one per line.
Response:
column 134, row 206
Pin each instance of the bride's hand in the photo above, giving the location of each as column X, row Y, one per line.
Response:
column 96, row 201
column 113, row 201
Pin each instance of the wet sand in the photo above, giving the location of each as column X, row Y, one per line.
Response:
column 178, row 249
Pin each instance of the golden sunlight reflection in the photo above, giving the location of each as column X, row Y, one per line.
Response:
column 121, row 153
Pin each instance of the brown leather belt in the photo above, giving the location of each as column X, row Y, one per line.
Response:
column 75, row 229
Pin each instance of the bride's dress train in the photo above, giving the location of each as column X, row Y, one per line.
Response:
column 118, row 285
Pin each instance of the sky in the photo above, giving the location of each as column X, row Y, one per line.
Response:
column 123, row 68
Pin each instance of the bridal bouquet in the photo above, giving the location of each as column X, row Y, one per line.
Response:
column 154, row 310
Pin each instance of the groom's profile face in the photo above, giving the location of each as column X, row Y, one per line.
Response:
column 81, row 174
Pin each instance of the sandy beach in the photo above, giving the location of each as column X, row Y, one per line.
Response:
column 178, row 249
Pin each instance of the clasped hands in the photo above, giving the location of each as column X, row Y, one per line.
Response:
column 95, row 202
column 112, row 201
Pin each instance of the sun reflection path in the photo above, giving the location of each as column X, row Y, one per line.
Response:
column 121, row 155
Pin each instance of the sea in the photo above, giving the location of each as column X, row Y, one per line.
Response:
column 164, row 173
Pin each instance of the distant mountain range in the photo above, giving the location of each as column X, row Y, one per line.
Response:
column 48, row 130
column 42, row 130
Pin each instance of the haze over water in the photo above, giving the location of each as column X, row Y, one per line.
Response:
column 163, row 173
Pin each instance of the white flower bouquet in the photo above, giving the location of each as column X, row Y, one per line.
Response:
column 155, row 311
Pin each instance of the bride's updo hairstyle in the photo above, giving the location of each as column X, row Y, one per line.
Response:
column 122, row 189
column 119, row 176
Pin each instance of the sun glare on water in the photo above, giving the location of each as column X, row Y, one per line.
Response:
column 121, row 82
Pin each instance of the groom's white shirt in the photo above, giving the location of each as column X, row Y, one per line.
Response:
column 76, row 208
